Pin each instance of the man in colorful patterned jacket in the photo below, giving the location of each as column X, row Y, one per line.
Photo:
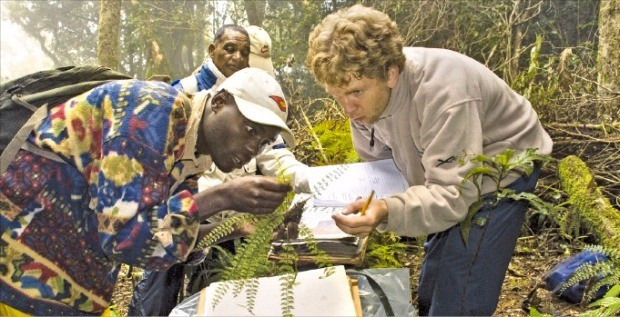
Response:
column 233, row 48
column 119, row 196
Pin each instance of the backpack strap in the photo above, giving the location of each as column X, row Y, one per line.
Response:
column 22, row 103
column 19, row 141
column 61, row 94
column 53, row 97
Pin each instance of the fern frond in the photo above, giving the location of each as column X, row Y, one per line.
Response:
column 605, row 281
column 251, row 292
column 321, row 257
column 587, row 271
column 220, row 291
column 287, row 300
column 288, row 260
column 251, row 258
column 224, row 228
column 612, row 253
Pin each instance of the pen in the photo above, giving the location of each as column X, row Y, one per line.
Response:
column 367, row 202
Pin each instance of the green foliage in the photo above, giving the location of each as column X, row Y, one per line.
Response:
column 321, row 257
column 384, row 250
column 609, row 305
column 497, row 168
column 603, row 272
column 224, row 228
column 250, row 261
column 465, row 225
column 113, row 311
column 287, row 282
column 532, row 83
column 335, row 138
column 67, row 32
column 164, row 37
column 535, row 312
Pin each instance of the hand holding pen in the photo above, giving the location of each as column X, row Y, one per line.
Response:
column 372, row 213
column 367, row 202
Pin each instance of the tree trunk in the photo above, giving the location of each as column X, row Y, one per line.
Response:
column 256, row 11
column 609, row 50
column 108, row 51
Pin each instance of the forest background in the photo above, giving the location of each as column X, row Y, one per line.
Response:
column 563, row 55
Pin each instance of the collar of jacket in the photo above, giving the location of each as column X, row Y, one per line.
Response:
column 406, row 88
column 200, row 101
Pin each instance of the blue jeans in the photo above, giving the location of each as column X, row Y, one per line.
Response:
column 467, row 280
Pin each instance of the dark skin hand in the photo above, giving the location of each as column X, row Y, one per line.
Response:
column 252, row 194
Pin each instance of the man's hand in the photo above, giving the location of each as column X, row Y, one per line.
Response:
column 255, row 194
column 252, row 194
column 360, row 225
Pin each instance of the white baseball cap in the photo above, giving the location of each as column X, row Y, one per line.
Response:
column 260, row 49
column 260, row 99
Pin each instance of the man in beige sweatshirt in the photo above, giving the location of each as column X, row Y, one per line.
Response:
column 425, row 108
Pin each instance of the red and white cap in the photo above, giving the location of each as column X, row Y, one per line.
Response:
column 260, row 49
column 260, row 99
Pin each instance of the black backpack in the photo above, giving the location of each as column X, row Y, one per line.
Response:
column 25, row 101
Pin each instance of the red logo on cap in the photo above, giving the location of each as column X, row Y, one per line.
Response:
column 264, row 49
column 280, row 101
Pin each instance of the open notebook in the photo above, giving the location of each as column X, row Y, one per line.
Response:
column 314, row 295
column 333, row 187
column 338, row 185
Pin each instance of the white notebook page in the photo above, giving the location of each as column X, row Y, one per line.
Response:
column 339, row 185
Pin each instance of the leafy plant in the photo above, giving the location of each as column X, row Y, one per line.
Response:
column 609, row 305
column 384, row 250
column 241, row 270
column 497, row 168
column 335, row 138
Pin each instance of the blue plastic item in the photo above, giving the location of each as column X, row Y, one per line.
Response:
column 560, row 273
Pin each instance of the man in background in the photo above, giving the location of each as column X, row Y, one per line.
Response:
column 233, row 48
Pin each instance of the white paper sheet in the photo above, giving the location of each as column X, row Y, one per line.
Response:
column 339, row 185
column 319, row 220
column 313, row 295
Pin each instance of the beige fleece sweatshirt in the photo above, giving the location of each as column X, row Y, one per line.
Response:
column 445, row 105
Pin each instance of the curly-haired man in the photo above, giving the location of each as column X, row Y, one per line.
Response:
column 425, row 107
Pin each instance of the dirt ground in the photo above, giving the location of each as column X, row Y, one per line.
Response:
column 534, row 255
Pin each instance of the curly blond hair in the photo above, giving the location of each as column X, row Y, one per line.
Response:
column 358, row 41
